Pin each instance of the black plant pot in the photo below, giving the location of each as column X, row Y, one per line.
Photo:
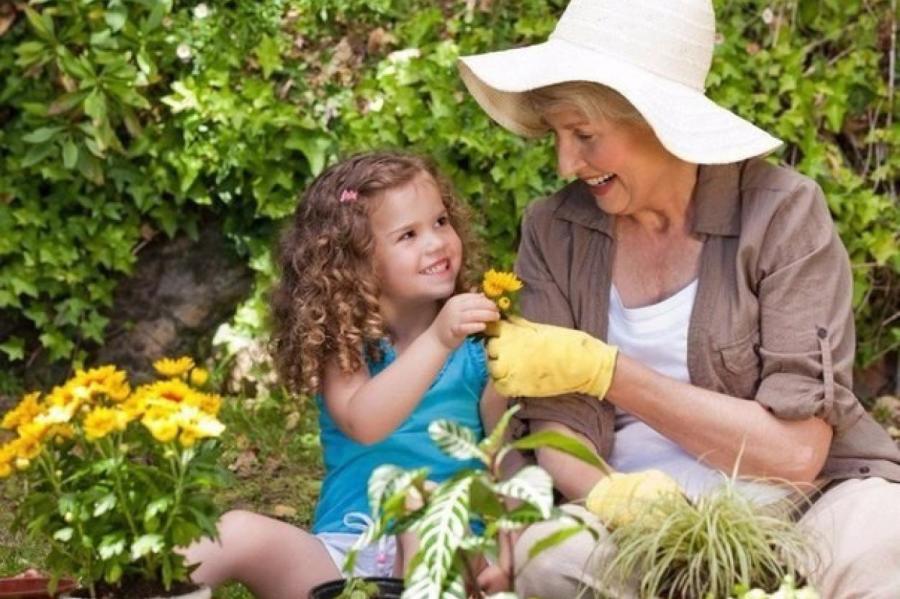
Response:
column 388, row 588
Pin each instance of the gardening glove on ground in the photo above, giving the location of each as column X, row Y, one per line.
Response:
column 540, row 360
column 619, row 499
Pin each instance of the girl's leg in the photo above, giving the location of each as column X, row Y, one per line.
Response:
column 272, row 558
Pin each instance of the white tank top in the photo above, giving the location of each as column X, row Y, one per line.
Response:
column 656, row 336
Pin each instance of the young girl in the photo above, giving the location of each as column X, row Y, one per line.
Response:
column 371, row 316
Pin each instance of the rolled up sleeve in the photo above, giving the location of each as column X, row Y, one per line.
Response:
column 542, row 300
column 807, row 336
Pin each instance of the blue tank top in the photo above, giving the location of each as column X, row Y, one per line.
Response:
column 454, row 394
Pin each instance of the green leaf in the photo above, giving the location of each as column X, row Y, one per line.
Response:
column 106, row 503
column 492, row 442
column 111, row 545
column 268, row 53
column 64, row 534
column 456, row 441
column 145, row 544
column 41, row 23
column 563, row 443
column 531, row 484
column 554, row 539
column 41, row 135
column 14, row 348
column 116, row 17
column 70, row 154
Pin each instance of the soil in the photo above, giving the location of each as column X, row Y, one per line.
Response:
column 136, row 589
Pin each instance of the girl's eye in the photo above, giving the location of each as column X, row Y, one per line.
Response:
column 443, row 220
column 406, row 235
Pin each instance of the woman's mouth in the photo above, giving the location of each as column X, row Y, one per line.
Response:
column 600, row 185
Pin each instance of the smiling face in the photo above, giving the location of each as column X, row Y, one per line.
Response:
column 418, row 254
column 621, row 162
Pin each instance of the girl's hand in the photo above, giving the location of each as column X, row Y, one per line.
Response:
column 461, row 316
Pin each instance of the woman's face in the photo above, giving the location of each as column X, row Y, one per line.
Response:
column 621, row 163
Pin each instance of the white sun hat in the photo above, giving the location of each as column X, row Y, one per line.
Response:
column 656, row 53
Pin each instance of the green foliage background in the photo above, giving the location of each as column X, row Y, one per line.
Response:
column 124, row 119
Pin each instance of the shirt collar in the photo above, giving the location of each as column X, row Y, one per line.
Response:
column 717, row 209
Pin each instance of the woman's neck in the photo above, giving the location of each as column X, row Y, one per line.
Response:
column 406, row 321
column 667, row 205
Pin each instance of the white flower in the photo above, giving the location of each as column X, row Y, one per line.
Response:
column 404, row 55
column 768, row 16
column 201, row 11
column 183, row 51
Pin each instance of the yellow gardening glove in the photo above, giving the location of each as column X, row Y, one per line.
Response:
column 619, row 499
column 540, row 360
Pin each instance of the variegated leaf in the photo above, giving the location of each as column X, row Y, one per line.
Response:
column 456, row 441
column 492, row 442
column 533, row 485
column 387, row 480
column 441, row 529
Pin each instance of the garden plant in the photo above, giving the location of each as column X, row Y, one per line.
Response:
column 114, row 479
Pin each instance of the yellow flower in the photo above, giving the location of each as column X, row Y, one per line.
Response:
column 33, row 430
column 173, row 390
column 5, row 469
column 7, row 455
column 504, row 303
column 199, row 376
column 104, row 380
column 23, row 413
column 173, row 368
column 134, row 407
column 496, row 283
column 209, row 403
column 27, row 448
column 102, row 421
column 162, row 429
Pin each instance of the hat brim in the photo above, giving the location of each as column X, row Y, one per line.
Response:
column 687, row 123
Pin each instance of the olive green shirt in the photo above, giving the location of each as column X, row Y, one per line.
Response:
column 772, row 320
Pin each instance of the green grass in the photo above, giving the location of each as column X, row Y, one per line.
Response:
column 272, row 448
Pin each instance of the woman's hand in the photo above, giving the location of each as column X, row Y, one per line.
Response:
column 461, row 316
column 540, row 360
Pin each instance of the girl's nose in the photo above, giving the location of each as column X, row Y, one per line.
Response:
column 434, row 242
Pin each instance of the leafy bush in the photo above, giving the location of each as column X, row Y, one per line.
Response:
column 121, row 119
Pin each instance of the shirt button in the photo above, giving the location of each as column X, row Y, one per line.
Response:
column 864, row 470
column 822, row 333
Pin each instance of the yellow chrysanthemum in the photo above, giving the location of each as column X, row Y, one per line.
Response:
column 60, row 432
column 199, row 376
column 173, row 390
column 173, row 368
column 34, row 430
column 27, row 448
column 102, row 421
column 23, row 413
column 5, row 470
column 104, row 380
column 496, row 283
column 207, row 402
column 7, row 454
column 134, row 407
column 504, row 303
column 162, row 429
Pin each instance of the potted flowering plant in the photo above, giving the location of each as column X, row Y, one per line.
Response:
column 114, row 479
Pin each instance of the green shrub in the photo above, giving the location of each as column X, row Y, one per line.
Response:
column 123, row 118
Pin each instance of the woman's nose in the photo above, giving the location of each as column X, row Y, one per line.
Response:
column 568, row 160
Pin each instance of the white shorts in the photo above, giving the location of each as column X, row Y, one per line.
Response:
column 374, row 560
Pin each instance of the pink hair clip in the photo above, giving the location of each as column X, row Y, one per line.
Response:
column 348, row 195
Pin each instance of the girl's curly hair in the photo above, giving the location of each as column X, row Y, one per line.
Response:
column 325, row 305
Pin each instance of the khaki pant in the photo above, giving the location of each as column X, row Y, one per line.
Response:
column 856, row 523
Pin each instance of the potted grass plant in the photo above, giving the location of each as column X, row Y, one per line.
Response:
column 115, row 479
column 719, row 545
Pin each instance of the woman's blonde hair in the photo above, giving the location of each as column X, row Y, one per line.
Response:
column 326, row 303
column 593, row 100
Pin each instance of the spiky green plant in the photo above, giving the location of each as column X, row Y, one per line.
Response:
column 708, row 547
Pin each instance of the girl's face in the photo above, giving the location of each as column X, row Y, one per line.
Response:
column 620, row 162
column 418, row 254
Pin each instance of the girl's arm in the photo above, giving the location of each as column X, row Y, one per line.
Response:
column 368, row 409
column 492, row 407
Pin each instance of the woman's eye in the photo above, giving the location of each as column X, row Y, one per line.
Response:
column 583, row 136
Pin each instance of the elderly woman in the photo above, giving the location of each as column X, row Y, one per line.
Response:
column 700, row 292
